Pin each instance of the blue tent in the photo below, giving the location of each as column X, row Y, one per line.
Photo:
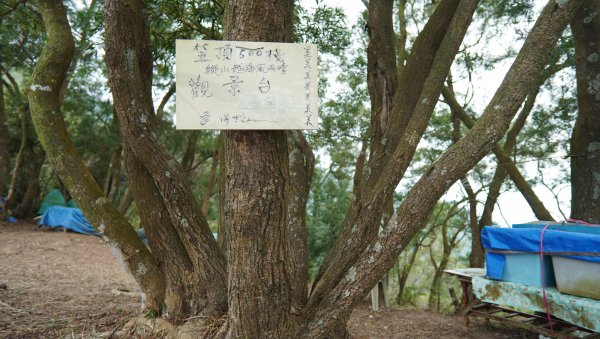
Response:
column 67, row 217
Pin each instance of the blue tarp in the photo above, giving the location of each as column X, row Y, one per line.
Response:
column 528, row 240
column 70, row 218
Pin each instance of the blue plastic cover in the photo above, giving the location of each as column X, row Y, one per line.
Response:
column 70, row 218
column 528, row 240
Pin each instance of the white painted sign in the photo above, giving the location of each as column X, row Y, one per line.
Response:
column 246, row 85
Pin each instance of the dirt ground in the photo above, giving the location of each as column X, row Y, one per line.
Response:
column 66, row 285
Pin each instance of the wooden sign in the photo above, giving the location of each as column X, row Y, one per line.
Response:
column 246, row 85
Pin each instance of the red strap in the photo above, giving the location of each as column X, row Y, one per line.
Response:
column 579, row 222
column 546, row 306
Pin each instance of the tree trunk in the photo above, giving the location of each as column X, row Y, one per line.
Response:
column 301, row 167
column 210, row 188
column 585, row 140
column 112, row 180
column 477, row 255
column 404, row 272
column 44, row 91
column 381, row 253
column 255, row 196
column 222, row 231
column 412, row 104
column 12, row 187
column 32, row 193
column 187, row 162
column 125, row 201
column 129, row 65
column 183, row 298
column 4, row 156
column 434, row 291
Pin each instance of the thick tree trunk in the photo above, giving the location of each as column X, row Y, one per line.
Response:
column 258, row 285
column 44, row 91
column 255, row 196
column 129, row 64
column 222, row 231
column 585, row 141
column 183, row 298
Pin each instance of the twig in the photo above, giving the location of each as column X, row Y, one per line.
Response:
column 198, row 316
column 5, row 305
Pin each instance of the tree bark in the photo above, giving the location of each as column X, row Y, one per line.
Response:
column 112, row 181
column 384, row 170
column 255, row 196
column 453, row 164
column 301, row 166
column 477, row 255
column 43, row 92
column 187, row 162
column 210, row 188
column 4, row 156
column 585, row 140
column 404, row 272
column 12, row 187
column 183, row 297
column 129, row 65
column 427, row 67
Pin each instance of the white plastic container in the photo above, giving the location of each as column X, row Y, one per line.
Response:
column 577, row 277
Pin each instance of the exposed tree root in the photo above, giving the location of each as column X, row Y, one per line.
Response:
column 193, row 328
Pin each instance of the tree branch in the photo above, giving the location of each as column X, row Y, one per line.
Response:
column 379, row 257
column 43, row 92
column 386, row 169
column 504, row 159
column 129, row 65
column 165, row 99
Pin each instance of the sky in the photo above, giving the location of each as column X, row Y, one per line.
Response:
column 512, row 207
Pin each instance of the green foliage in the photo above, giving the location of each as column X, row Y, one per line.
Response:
column 325, row 26
column 327, row 205
column 171, row 20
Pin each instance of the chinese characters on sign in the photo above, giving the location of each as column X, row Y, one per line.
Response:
column 246, row 85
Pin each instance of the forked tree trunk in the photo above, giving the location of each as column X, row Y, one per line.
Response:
column 191, row 263
column 256, row 290
column 585, row 142
column 43, row 93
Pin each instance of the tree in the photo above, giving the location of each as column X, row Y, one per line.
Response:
column 259, row 282
column 585, row 141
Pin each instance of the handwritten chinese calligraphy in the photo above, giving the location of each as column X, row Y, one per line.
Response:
column 246, row 85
